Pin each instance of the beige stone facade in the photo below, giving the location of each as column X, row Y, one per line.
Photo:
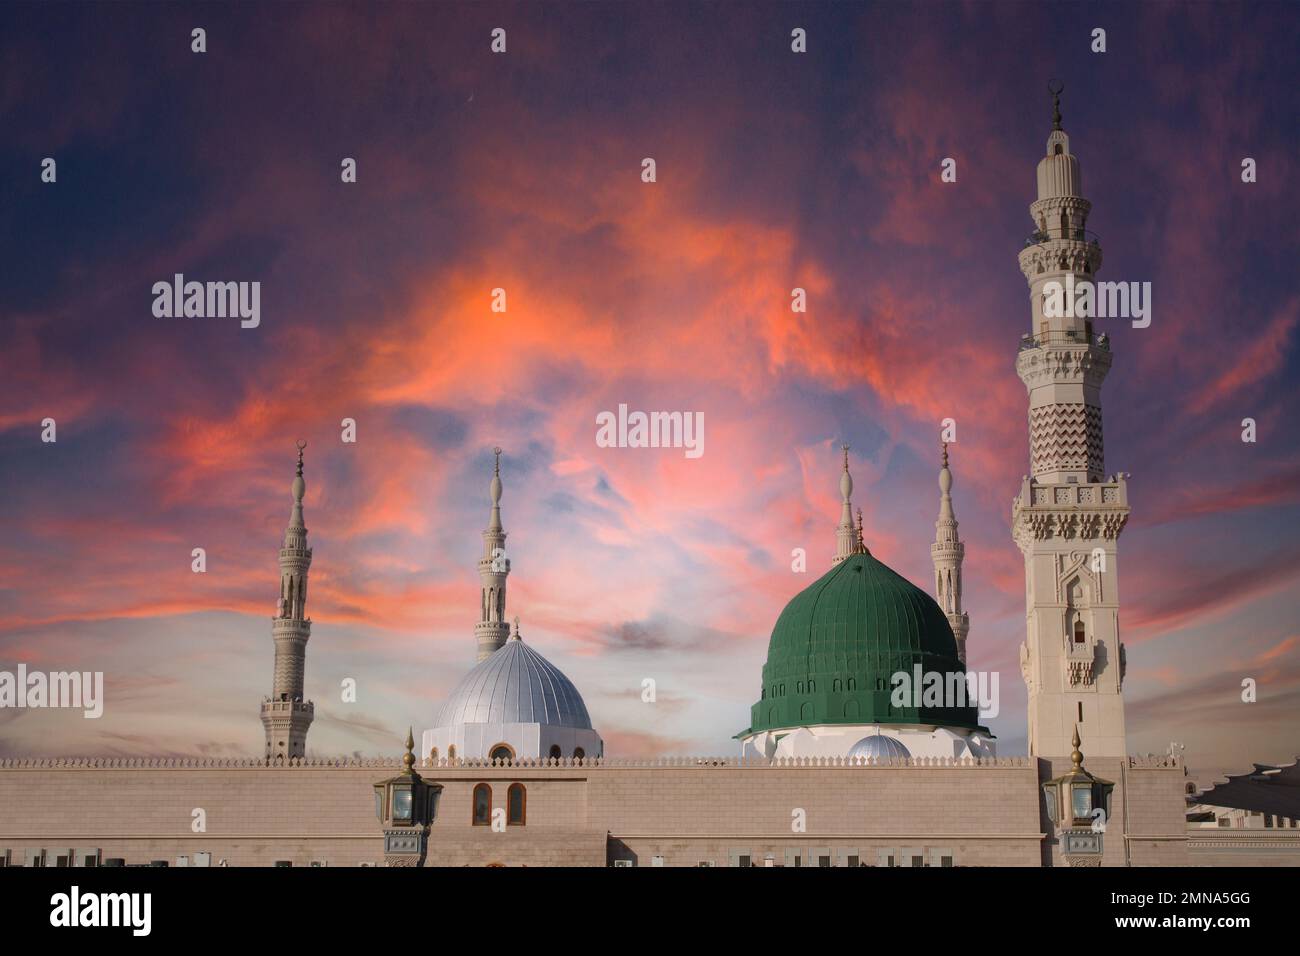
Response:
column 672, row 812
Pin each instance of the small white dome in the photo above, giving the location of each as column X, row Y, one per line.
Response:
column 879, row 746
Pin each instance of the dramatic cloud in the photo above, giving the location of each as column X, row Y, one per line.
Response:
column 522, row 172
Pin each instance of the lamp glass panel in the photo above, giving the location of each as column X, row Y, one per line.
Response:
column 402, row 803
column 1081, row 796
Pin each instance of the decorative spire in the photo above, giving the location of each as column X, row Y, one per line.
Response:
column 298, row 489
column 1056, row 87
column 862, row 548
column 946, row 516
column 514, row 635
column 494, row 524
column 408, row 758
column 846, row 533
column 1076, row 755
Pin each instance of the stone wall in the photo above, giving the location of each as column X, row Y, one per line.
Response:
column 1227, row 847
column 684, row 811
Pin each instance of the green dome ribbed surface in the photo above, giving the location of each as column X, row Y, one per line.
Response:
column 838, row 643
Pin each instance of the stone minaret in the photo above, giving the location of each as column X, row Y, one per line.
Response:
column 492, row 629
column 947, row 553
column 848, row 536
column 285, row 714
column 1068, row 515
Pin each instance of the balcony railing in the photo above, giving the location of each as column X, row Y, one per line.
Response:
column 1038, row 236
column 1101, row 341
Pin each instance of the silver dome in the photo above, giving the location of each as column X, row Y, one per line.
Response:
column 516, row 685
column 880, row 746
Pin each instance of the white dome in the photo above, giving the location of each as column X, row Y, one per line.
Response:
column 516, row 685
column 879, row 746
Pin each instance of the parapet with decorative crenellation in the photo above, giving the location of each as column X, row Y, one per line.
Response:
column 570, row 763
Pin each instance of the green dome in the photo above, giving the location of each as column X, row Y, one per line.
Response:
column 838, row 643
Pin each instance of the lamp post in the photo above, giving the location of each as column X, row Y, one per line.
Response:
column 405, row 806
column 1078, row 804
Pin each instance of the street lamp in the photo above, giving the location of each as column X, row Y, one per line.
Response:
column 1073, row 801
column 405, row 806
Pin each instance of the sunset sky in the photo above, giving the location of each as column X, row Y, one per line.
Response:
column 522, row 171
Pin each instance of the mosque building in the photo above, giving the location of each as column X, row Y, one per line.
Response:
column 512, row 772
column 829, row 688
column 513, row 703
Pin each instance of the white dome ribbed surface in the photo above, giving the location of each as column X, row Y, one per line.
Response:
column 516, row 685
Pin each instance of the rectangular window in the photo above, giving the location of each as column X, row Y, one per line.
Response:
column 1080, row 711
column 823, row 861
column 918, row 861
column 945, row 861
column 1224, row 822
column 891, row 861
column 656, row 861
column 743, row 861
column 853, row 860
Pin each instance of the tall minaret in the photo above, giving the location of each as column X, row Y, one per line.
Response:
column 848, row 536
column 1069, row 514
column 947, row 553
column 285, row 714
column 492, row 629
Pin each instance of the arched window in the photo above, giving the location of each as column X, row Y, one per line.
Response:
column 516, row 805
column 812, row 686
column 482, row 805
column 837, row 685
column 1078, row 631
column 502, row 752
column 1056, row 150
column 579, row 753
column 556, row 752
column 853, row 684
column 451, row 752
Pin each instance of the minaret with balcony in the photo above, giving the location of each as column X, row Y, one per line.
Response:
column 286, row 716
column 947, row 553
column 1069, row 513
column 492, row 630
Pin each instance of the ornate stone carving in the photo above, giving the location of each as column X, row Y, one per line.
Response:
column 1065, row 437
column 1112, row 523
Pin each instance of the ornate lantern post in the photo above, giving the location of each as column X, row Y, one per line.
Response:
column 1078, row 804
column 405, row 806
